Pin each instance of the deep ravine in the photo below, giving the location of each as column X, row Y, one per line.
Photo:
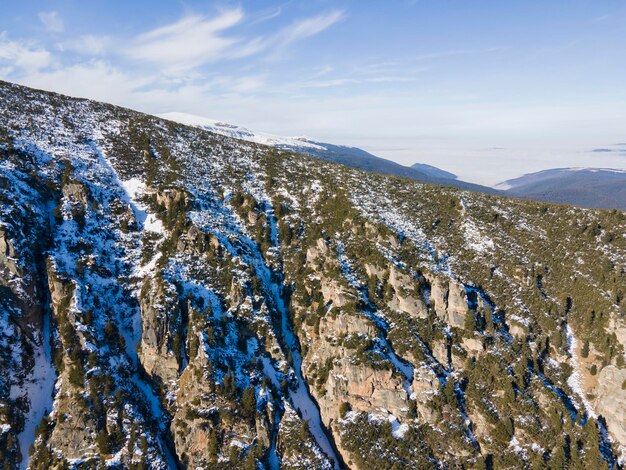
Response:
column 300, row 397
column 38, row 387
column 234, row 239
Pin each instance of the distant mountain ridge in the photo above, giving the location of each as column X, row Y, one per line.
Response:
column 586, row 187
column 350, row 156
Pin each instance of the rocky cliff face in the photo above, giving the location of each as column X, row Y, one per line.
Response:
column 172, row 298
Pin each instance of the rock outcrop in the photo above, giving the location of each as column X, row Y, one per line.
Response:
column 160, row 347
column 449, row 299
column 610, row 402
column 405, row 299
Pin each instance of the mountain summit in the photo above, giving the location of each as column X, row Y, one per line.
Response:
column 173, row 297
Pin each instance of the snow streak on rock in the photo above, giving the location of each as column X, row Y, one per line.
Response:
column 406, row 369
column 216, row 218
column 38, row 387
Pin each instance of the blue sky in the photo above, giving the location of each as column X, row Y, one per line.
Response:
column 486, row 89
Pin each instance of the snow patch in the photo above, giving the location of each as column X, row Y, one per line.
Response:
column 231, row 130
column 38, row 387
column 474, row 239
column 574, row 379
column 134, row 189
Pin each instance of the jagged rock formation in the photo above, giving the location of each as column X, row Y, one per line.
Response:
column 169, row 297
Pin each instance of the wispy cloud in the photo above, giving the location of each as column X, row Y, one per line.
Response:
column 52, row 21
column 276, row 44
column 390, row 71
column 393, row 78
column 335, row 82
column 267, row 15
column 171, row 57
column 196, row 40
column 303, row 29
column 94, row 79
column 456, row 53
column 192, row 41
column 325, row 70
column 417, row 63
column 338, row 82
column 87, row 45
column 21, row 57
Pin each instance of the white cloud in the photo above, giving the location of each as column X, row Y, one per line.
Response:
column 196, row 40
column 100, row 80
column 335, row 82
column 392, row 78
column 267, row 15
column 339, row 82
column 52, row 21
column 309, row 27
column 87, row 45
column 247, row 84
column 325, row 70
column 21, row 57
column 456, row 53
column 94, row 79
column 190, row 42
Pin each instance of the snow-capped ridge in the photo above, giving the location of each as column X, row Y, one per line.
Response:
column 232, row 130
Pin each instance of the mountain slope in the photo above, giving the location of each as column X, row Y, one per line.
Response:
column 217, row 303
column 350, row 156
column 433, row 171
column 586, row 187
